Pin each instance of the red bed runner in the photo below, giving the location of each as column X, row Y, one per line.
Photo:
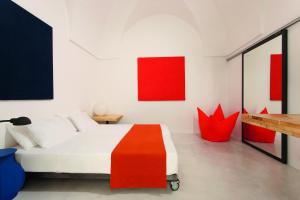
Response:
column 139, row 160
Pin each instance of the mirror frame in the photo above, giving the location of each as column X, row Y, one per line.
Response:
column 284, row 104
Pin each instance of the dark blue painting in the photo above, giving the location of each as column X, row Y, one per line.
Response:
column 26, row 57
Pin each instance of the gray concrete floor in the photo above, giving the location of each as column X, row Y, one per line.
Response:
column 207, row 171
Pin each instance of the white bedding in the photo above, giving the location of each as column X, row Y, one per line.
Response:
column 87, row 152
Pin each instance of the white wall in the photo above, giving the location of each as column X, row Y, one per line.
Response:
column 255, row 20
column 257, row 77
column 234, row 88
column 224, row 26
column 234, row 97
column 293, row 90
column 72, row 67
column 248, row 21
column 98, row 26
column 80, row 79
column 221, row 26
column 162, row 35
column 243, row 19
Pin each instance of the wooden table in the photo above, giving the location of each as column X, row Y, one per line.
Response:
column 107, row 118
column 285, row 123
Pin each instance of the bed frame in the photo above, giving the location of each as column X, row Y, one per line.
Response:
column 173, row 180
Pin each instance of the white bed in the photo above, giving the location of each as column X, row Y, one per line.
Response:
column 87, row 152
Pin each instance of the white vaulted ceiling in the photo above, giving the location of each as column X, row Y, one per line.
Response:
column 98, row 26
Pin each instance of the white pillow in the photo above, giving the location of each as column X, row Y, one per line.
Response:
column 67, row 122
column 6, row 139
column 21, row 136
column 83, row 122
column 47, row 133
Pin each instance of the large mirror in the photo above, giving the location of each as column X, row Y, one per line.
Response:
column 264, row 92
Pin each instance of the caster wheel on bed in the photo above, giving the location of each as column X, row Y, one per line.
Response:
column 174, row 185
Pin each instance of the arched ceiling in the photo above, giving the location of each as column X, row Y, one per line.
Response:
column 98, row 25
column 223, row 25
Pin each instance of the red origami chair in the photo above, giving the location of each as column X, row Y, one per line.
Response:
column 258, row 134
column 216, row 128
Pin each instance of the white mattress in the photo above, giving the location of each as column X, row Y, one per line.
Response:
column 88, row 152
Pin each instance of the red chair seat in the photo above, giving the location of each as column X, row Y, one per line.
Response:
column 216, row 128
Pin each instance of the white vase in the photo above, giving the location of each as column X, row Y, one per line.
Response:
column 100, row 109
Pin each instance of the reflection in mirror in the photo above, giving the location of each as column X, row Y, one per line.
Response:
column 262, row 92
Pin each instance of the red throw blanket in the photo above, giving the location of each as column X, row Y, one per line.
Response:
column 139, row 160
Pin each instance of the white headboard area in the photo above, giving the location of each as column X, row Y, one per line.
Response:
column 6, row 139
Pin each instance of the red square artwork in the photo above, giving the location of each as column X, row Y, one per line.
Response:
column 276, row 77
column 161, row 78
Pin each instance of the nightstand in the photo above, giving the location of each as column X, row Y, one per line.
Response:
column 11, row 173
column 107, row 118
